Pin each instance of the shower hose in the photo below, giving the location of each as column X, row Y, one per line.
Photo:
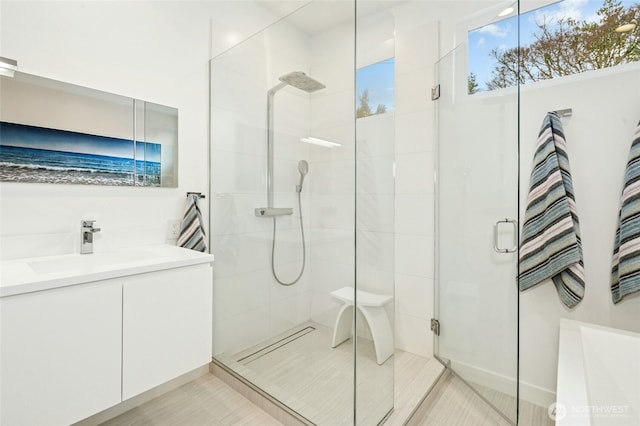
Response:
column 273, row 249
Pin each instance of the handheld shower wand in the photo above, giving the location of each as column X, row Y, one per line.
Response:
column 303, row 168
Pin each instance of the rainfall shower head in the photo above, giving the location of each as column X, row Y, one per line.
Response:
column 301, row 81
column 303, row 168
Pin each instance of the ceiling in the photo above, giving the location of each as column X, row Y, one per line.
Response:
column 320, row 15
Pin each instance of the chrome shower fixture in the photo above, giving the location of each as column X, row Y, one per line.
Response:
column 302, row 81
column 303, row 168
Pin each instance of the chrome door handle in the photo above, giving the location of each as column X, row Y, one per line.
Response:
column 514, row 223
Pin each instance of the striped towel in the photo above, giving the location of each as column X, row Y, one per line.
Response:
column 550, row 242
column 625, row 272
column 192, row 234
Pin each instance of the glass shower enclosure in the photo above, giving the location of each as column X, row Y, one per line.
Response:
column 300, row 221
column 477, row 234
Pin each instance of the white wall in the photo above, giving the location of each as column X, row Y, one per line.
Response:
column 606, row 110
column 155, row 51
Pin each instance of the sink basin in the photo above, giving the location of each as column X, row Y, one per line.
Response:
column 88, row 262
column 20, row 276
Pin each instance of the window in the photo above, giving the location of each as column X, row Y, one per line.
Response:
column 375, row 88
column 564, row 38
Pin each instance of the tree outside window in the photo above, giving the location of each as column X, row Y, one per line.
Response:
column 557, row 40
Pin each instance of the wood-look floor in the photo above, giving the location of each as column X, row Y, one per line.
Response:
column 455, row 404
column 209, row 401
column 204, row 401
column 317, row 381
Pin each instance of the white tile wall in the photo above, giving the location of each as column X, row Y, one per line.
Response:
column 416, row 52
column 395, row 213
column 243, row 283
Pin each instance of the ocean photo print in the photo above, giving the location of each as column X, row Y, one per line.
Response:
column 44, row 155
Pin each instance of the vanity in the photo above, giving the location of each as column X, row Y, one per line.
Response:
column 82, row 333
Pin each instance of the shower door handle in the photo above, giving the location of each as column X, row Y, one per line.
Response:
column 496, row 228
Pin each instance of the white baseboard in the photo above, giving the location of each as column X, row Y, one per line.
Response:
column 528, row 392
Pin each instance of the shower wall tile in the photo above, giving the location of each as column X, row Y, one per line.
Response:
column 342, row 134
column 332, row 109
column 234, row 214
column 241, row 331
column 250, row 59
column 413, row 335
column 409, row 41
column 290, row 312
column 333, row 211
column 238, row 92
column 243, row 136
column 237, row 254
column 375, row 213
column 414, row 173
column 375, row 135
column 414, row 295
column 414, row 214
column 331, row 177
column 414, row 255
column 249, row 292
column 291, row 111
column 415, row 131
column 413, row 90
column 331, row 246
column 374, row 175
column 238, row 173
column 376, row 279
column 374, row 250
column 332, row 59
column 289, row 146
column 287, row 272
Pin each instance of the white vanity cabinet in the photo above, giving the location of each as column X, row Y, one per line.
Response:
column 61, row 354
column 68, row 351
column 166, row 326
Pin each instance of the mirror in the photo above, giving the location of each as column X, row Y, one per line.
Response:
column 56, row 132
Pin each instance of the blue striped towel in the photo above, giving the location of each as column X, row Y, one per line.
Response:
column 550, row 242
column 625, row 271
column 192, row 235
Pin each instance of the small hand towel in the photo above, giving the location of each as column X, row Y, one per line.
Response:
column 192, row 235
column 625, row 270
column 550, row 241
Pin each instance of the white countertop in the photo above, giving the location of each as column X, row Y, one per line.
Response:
column 44, row 273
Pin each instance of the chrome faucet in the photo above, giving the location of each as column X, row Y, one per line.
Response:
column 86, row 236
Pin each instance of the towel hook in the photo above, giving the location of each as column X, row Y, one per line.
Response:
column 195, row 194
column 562, row 113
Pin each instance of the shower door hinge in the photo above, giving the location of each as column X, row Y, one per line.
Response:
column 435, row 326
column 435, row 93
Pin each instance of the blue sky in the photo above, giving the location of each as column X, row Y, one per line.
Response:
column 503, row 34
column 379, row 78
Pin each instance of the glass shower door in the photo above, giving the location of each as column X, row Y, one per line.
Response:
column 476, row 234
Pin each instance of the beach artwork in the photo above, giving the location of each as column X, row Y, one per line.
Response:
column 43, row 155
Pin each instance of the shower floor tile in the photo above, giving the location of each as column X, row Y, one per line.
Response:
column 316, row 380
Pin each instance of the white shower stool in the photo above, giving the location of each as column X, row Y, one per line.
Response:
column 372, row 307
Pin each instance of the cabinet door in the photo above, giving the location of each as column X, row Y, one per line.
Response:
column 166, row 326
column 61, row 354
